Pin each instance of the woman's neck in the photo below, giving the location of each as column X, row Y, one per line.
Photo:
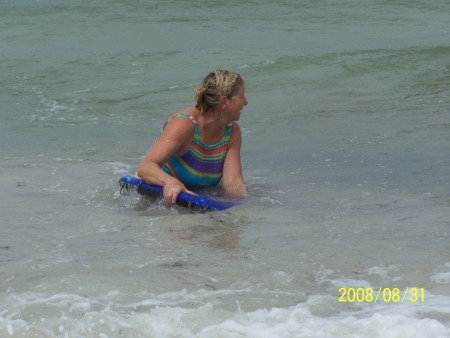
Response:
column 211, row 124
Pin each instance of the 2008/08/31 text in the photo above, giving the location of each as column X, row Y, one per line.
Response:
column 385, row 295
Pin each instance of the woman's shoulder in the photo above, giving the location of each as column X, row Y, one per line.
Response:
column 181, row 114
column 180, row 124
column 184, row 117
column 235, row 127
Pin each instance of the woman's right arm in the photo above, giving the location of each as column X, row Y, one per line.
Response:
column 232, row 180
column 175, row 140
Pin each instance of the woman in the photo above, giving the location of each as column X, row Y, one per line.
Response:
column 201, row 145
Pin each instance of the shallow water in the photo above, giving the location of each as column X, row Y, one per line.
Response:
column 345, row 153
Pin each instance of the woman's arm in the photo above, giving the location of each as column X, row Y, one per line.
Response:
column 174, row 140
column 233, row 181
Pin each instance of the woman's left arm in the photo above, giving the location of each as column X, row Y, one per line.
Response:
column 233, row 181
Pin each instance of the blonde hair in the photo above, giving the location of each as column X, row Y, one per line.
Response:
column 216, row 84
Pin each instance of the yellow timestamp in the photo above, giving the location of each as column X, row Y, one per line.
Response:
column 382, row 295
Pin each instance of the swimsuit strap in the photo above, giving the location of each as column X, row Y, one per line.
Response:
column 183, row 114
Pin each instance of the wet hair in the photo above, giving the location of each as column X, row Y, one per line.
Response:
column 216, row 84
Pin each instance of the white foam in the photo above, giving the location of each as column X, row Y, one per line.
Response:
column 270, row 200
column 381, row 270
column 441, row 278
column 298, row 322
column 119, row 168
column 72, row 315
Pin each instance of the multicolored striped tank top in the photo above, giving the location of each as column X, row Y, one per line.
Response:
column 202, row 165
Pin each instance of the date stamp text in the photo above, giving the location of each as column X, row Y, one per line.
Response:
column 381, row 295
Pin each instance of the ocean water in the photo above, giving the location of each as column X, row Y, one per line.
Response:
column 346, row 144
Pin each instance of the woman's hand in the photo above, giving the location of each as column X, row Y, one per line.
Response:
column 172, row 190
column 238, row 190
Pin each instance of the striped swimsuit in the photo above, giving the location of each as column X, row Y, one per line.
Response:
column 202, row 165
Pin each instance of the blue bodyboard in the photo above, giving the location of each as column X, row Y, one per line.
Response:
column 184, row 199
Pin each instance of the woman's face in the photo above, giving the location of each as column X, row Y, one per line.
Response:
column 236, row 103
